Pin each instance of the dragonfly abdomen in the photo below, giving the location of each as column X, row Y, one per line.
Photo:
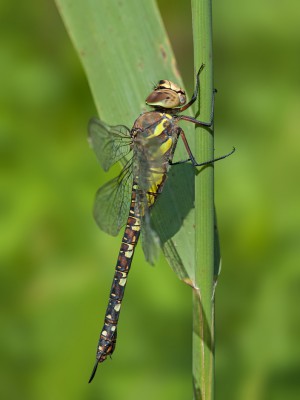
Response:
column 108, row 335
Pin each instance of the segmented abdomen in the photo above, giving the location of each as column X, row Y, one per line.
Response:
column 108, row 335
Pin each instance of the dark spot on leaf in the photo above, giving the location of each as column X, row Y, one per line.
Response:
column 141, row 64
column 163, row 52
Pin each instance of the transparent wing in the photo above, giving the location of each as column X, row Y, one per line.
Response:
column 112, row 202
column 152, row 162
column 150, row 239
column 150, row 168
column 110, row 143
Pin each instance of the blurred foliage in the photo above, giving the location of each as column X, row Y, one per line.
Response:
column 56, row 266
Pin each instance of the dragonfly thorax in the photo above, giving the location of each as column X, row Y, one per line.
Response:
column 166, row 94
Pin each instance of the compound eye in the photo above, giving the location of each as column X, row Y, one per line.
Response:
column 182, row 99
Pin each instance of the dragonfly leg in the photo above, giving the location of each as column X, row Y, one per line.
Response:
column 192, row 101
column 202, row 123
column 195, row 94
column 192, row 158
column 179, row 162
column 214, row 159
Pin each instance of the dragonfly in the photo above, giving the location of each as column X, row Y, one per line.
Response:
column 128, row 198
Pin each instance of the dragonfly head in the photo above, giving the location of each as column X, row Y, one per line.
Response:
column 166, row 94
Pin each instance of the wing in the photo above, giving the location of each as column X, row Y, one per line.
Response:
column 112, row 202
column 151, row 168
column 150, row 239
column 110, row 143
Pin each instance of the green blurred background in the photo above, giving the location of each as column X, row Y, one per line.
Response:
column 56, row 266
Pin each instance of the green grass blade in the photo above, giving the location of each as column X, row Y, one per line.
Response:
column 203, row 303
column 124, row 49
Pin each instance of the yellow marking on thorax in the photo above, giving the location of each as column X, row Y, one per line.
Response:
column 157, row 175
column 161, row 126
column 163, row 148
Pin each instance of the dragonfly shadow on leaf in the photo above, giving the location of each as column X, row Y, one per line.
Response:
column 175, row 202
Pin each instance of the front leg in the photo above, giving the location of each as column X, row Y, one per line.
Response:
column 202, row 123
column 195, row 94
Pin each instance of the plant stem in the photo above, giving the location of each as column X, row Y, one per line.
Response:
column 203, row 304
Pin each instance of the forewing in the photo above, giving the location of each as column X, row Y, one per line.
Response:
column 112, row 202
column 110, row 143
column 149, row 162
column 152, row 161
